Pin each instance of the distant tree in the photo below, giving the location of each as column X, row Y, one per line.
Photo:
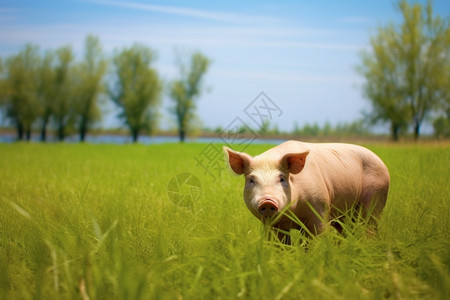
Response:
column 3, row 91
column 311, row 130
column 355, row 128
column 296, row 130
column 425, row 44
column 20, row 94
column 407, row 69
column 265, row 127
column 63, row 111
column 441, row 123
column 327, row 129
column 46, row 91
column 384, row 83
column 136, row 89
column 89, row 86
column 275, row 130
column 185, row 91
column 441, row 126
column 3, row 85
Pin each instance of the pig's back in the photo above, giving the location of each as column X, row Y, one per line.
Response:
column 339, row 157
column 341, row 166
column 344, row 160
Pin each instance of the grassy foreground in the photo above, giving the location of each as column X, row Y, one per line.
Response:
column 95, row 221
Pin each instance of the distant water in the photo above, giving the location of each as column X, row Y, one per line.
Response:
column 124, row 139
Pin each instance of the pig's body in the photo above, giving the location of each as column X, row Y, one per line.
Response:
column 330, row 177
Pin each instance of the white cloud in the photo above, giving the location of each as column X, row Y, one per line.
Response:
column 116, row 35
column 357, row 20
column 187, row 12
column 7, row 14
column 287, row 77
column 6, row 10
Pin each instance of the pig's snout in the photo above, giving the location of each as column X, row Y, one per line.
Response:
column 267, row 208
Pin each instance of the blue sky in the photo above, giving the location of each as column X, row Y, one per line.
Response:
column 302, row 54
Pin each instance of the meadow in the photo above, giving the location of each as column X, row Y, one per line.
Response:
column 95, row 222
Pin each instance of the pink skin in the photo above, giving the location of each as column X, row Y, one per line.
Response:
column 295, row 176
column 267, row 189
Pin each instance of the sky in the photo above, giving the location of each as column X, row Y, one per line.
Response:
column 302, row 54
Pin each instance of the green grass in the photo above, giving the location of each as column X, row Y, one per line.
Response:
column 96, row 221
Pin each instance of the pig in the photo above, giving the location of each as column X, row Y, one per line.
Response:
column 311, row 180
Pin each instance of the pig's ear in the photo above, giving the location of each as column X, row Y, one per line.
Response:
column 238, row 161
column 294, row 162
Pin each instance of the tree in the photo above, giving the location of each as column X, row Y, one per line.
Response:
column 265, row 127
column 441, row 123
column 136, row 89
column 441, row 126
column 384, row 82
column 185, row 91
column 63, row 88
column 46, row 91
column 407, row 69
column 425, row 42
column 22, row 106
column 90, row 86
column 3, row 84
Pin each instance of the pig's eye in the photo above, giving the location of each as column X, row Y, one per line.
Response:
column 250, row 181
column 283, row 180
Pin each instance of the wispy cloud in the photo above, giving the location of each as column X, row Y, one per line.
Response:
column 7, row 14
column 6, row 10
column 222, row 34
column 244, row 38
column 186, row 12
column 357, row 20
column 288, row 76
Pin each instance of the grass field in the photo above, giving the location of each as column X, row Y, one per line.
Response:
column 95, row 221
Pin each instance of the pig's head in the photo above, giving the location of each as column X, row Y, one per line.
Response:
column 268, row 179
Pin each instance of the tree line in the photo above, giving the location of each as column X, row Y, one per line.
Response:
column 53, row 89
column 343, row 129
column 407, row 72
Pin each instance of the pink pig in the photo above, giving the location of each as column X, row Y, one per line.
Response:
column 331, row 178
